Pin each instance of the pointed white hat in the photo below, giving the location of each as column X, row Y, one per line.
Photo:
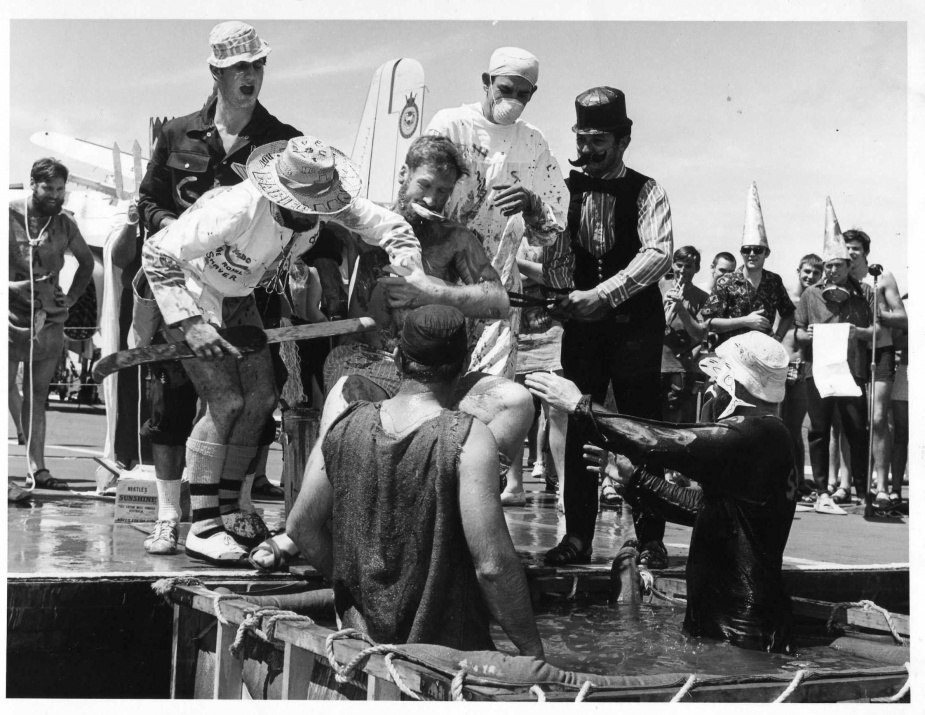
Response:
column 833, row 246
column 753, row 234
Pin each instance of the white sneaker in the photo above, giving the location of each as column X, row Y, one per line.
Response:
column 219, row 549
column 163, row 540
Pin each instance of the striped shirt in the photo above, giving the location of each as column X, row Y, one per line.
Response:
column 596, row 236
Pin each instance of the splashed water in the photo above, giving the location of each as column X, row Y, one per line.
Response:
column 643, row 639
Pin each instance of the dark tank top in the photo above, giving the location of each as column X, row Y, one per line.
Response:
column 402, row 568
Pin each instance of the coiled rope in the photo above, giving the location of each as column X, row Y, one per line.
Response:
column 342, row 673
column 867, row 606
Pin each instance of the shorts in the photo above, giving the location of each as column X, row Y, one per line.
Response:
column 885, row 366
column 49, row 343
column 377, row 366
column 172, row 396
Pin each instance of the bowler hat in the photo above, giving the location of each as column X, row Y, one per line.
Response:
column 601, row 110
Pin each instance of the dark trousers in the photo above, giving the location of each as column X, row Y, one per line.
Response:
column 595, row 356
column 853, row 414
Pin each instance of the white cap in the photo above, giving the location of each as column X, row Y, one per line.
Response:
column 756, row 361
column 514, row 61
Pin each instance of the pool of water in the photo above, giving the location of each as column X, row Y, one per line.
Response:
column 645, row 639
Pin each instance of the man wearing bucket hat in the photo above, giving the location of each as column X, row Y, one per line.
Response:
column 840, row 298
column 191, row 155
column 750, row 297
column 742, row 457
column 514, row 190
column 203, row 269
column 400, row 507
column 617, row 246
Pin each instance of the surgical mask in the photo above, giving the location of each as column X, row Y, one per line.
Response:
column 505, row 111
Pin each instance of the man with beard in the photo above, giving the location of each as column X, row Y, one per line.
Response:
column 192, row 155
column 743, row 460
column 362, row 368
column 40, row 233
column 203, row 269
column 617, row 246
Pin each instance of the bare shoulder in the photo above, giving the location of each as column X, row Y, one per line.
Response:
column 479, row 446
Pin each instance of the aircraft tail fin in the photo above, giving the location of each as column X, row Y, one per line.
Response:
column 391, row 121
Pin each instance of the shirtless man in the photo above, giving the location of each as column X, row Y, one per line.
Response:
column 793, row 409
column 890, row 314
column 362, row 368
column 203, row 269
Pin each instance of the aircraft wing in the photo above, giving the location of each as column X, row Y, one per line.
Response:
column 87, row 152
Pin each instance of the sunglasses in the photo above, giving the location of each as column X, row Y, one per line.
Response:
column 752, row 250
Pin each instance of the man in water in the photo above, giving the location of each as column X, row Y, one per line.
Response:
column 203, row 269
column 417, row 548
column 742, row 457
column 361, row 368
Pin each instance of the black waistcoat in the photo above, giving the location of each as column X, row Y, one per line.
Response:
column 644, row 308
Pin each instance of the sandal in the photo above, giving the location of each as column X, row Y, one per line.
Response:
column 263, row 487
column 841, row 496
column 51, row 482
column 280, row 558
column 896, row 498
column 567, row 553
column 610, row 498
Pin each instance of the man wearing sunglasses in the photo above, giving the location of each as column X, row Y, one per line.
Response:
column 750, row 297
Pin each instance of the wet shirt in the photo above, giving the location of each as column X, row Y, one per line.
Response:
column 857, row 310
column 741, row 518
column 679, row 347
column 402, row 568
column 47, row 258
column 502, row 155
column 734, row 297
column 228, row 242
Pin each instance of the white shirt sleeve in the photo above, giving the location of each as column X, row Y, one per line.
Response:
column 381, row 227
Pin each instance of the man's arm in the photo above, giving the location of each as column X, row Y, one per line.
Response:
column 155, row 202
column 381, row 227
column 894, row 316
column 125, row 241
column 545, row 218
column 559, row 263
column 84, row 274
column 481, row 294
column 498, row 569
column 307, row 524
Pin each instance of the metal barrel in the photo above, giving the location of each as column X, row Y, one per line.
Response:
column 300, row 431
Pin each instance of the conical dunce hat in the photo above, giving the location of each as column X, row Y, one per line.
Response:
column 753, row 234
column 833, row 247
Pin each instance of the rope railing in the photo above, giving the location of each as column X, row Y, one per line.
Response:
column 685, row 689
column 794, row 684
column 867, row 606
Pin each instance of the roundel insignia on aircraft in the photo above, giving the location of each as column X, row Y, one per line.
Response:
column 410, row 115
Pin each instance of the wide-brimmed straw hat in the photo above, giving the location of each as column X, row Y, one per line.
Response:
column 234, row 42
column 304, row 175
column 756, row 361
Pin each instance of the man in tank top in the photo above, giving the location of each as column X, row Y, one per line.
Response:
column 417, row 547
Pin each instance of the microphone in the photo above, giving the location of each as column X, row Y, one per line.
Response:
column 875, row 269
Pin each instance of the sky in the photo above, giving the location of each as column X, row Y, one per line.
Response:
column 807, row 109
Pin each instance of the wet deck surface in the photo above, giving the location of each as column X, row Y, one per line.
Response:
column 69, row 534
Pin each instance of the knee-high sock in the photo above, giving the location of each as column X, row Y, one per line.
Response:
column 204, row 463
column 236, row 464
